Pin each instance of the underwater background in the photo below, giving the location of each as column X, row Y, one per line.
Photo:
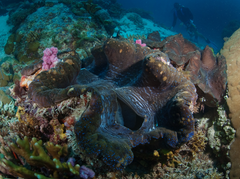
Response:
column 108, row 89
column 210, row 17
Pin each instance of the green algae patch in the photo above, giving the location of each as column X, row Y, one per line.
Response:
column 9, row 47
column 33, row 46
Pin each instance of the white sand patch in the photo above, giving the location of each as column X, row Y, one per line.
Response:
column 127, row 27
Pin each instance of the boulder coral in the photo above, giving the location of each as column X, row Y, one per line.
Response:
column 9, row 71
column 231, row 51
column 63, row 32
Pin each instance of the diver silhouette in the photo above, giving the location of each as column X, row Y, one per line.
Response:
column 186, row 16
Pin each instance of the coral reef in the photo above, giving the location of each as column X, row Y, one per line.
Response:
column 189, row 161
column 9, row 47
column 221, row 134
column 7, row 117
column 100, row 16
column 142, row 13
column 35, row 155
column 42, row 140
column 105, row 19
column 64, row 30
column 136, row 19
column 7, row 109
column 5, row 97
column 17, row 16
column 112, row 6
column 86, row 173
column 200, row 167
column 10, row 70
column 220, row 137
column 33, row 36
column 126, row 107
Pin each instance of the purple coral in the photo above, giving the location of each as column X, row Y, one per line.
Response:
column 72, row 161
column 50, row 58
column 86, row 173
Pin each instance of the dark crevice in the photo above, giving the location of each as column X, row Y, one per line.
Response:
column 130, row 119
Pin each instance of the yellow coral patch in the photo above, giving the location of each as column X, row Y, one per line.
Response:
column 58, row 131
column 155, row 153
column 26, row 119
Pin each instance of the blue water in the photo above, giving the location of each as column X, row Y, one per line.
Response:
column 210, row 16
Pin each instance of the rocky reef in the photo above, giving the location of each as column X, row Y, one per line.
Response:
column 129, row 96
column 63, row 29
column 136, row 97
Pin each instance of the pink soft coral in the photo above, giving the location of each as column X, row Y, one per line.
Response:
column 50, row 58
column 139, row 41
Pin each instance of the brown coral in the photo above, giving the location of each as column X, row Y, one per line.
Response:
column 231, row 50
